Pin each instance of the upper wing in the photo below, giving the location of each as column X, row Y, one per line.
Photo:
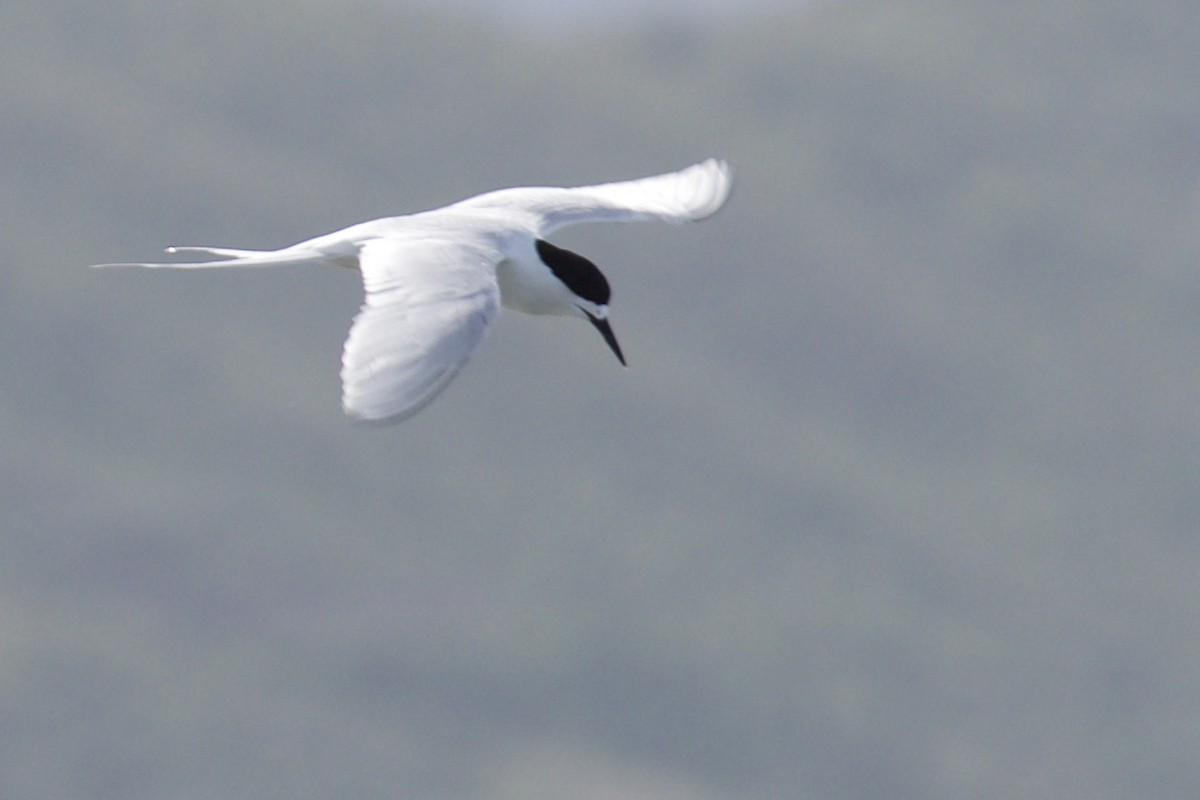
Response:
column 690, row 194
column 428, row 304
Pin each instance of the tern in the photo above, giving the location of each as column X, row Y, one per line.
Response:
column 435, row 280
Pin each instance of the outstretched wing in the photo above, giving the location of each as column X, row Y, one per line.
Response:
column 428, row 304
column 690, row 194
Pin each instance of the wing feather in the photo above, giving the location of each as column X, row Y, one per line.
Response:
column 428, row 305
column 689, row 194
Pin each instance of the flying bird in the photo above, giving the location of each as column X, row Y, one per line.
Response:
column 435, row 280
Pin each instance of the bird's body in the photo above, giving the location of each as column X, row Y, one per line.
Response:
column 435, row 280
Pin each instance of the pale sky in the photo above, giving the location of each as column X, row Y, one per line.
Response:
column 568, row 13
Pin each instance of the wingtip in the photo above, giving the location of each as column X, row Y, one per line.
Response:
column 717, row 182
column 357, row 421
column 361, row 418
column 726, row 172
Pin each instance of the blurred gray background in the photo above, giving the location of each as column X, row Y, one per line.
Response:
column 897, row 499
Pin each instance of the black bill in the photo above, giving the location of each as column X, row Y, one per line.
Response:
column 606, row 331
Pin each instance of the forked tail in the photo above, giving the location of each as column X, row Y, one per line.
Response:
column 232, row 258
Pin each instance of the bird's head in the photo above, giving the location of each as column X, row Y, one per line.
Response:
column 589, row 288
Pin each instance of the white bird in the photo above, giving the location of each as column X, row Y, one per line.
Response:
column 435, row 280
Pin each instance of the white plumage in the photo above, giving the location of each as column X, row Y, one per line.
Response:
column 435, row 280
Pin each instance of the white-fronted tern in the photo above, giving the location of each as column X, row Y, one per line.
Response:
column 435, row 280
